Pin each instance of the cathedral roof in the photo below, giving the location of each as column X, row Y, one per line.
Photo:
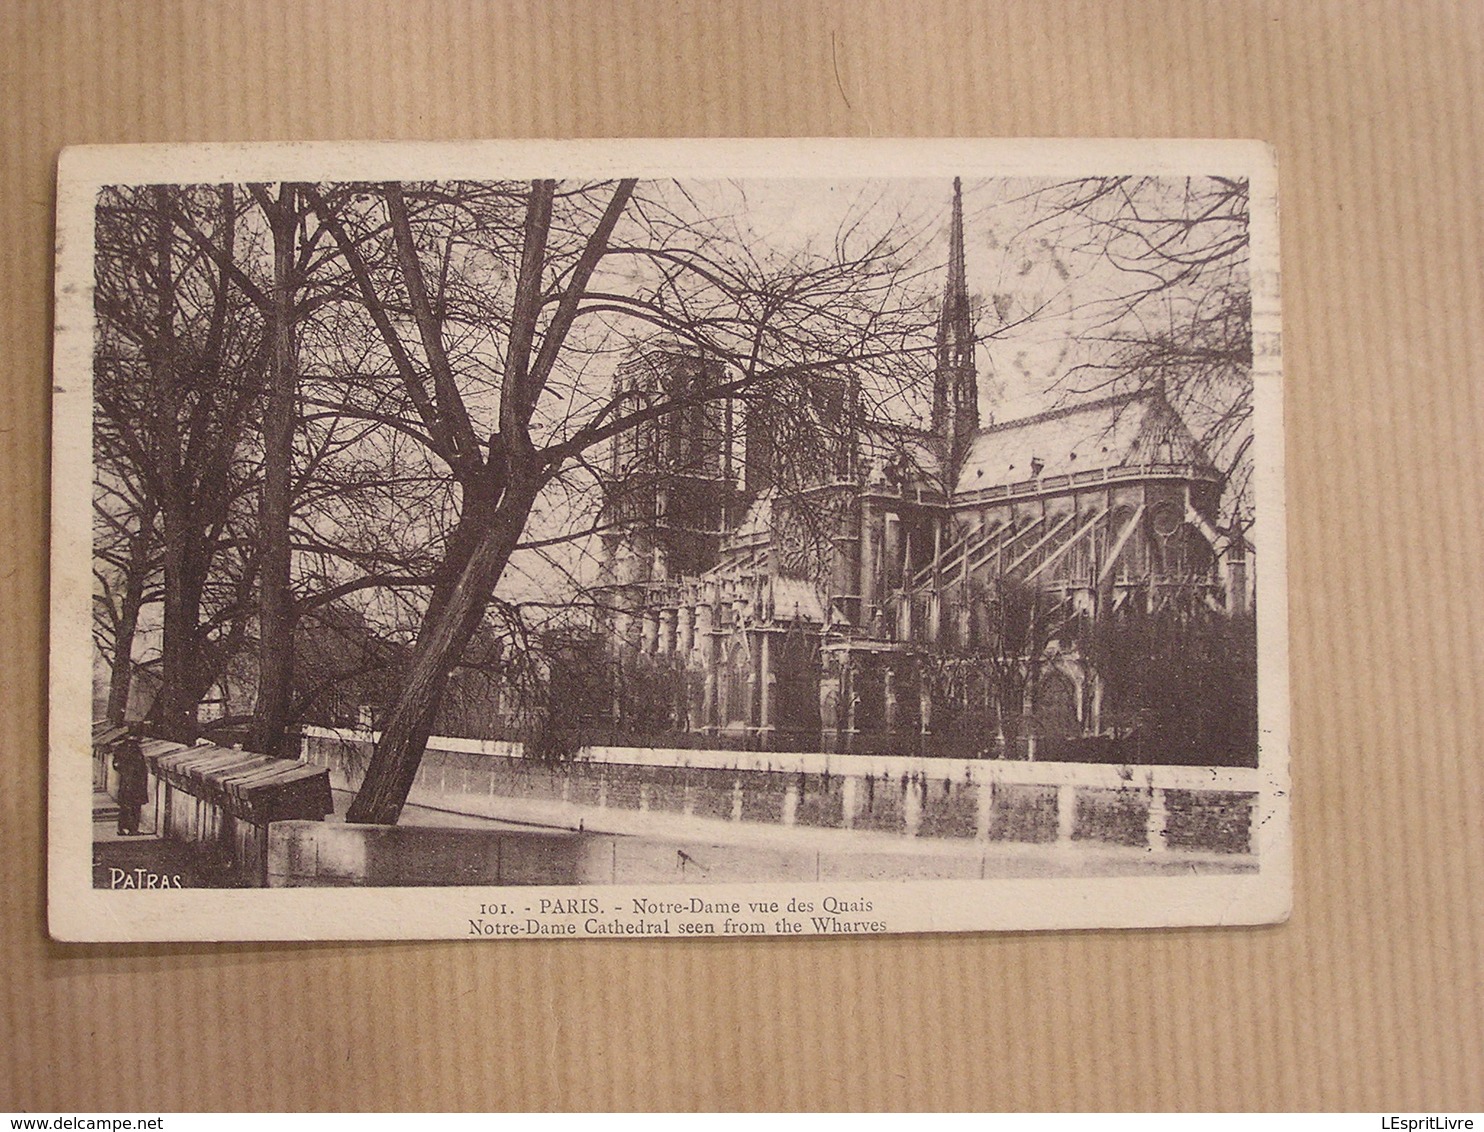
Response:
column 1129, row 430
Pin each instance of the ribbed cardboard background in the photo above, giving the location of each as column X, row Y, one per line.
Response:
column 1371, row 998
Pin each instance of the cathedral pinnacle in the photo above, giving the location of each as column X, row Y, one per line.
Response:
column 955, row 384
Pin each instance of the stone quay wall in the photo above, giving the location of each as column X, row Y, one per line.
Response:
column 1161, row 808
column 339, row 855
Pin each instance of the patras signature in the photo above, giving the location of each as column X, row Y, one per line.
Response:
column 142, row 878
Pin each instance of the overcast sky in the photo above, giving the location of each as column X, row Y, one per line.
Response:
column 1034, row 283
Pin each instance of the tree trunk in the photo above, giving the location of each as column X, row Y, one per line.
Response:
column 174, row 711
column 446, row 632
column 176, row 707
column 275, row 606
column 136, row 575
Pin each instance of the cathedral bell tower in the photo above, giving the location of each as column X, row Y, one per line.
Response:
column 955, row 385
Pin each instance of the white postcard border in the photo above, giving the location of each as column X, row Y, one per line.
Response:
column 79, row 912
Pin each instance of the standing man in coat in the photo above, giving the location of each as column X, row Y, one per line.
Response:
column 128, row 760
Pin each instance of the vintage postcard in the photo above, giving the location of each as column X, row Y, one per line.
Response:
column 662, row 539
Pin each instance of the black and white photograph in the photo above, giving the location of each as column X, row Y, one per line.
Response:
column 658, row 539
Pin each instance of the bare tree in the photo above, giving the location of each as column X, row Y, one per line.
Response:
column 126, row 566
column 1155, row 290
column 1156, row 271
column 414, row 385
column 987, row 685
column 573, row 277
column 332, row 489
column 178, row 373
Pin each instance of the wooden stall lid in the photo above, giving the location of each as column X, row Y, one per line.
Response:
column 256, row 788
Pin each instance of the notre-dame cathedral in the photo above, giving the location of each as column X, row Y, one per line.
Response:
column 813, row 578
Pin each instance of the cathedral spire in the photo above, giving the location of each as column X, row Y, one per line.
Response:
column 955, row 385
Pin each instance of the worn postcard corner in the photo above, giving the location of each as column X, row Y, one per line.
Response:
column 661, row 539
